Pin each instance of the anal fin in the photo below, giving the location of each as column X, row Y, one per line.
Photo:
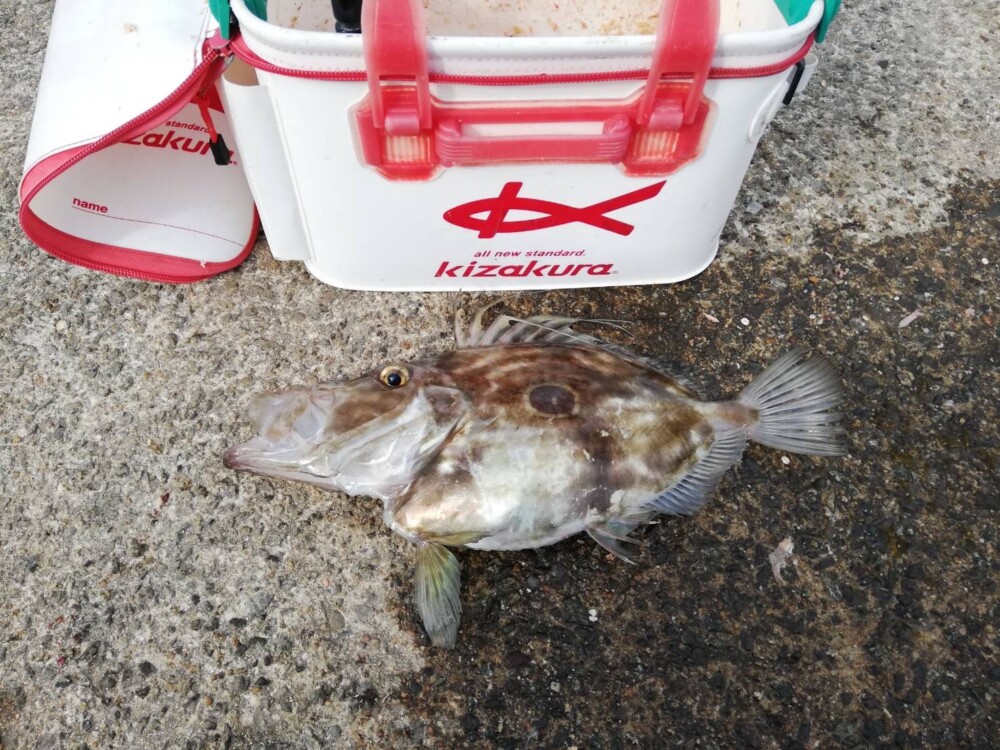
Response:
column 698, row 485
column 438, row 583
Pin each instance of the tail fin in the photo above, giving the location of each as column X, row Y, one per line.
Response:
column 795, row 399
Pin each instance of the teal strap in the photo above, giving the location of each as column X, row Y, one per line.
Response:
column 220, row 9
column 796, row 10
column 832, row 6
column 259, row 8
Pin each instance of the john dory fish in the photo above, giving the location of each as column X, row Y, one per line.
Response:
column 528, row 433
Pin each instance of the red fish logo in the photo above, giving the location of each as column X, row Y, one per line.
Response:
column 555, row 214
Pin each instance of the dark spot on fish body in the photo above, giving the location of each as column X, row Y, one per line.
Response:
column 552, row 399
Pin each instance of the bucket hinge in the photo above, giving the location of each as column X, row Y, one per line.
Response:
column 672, row 110
column 397, row 124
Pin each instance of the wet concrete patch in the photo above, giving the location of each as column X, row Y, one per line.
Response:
column 884, row 629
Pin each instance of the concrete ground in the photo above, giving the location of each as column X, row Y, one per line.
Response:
column 150, row 598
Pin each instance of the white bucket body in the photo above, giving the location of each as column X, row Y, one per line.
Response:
column 471, row 222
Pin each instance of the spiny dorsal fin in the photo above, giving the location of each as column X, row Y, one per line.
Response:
column 698, row 485
column 469, row 337
column 437, row 588
column 507, row 329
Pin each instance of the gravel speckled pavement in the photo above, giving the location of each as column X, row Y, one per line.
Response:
column 149, row 598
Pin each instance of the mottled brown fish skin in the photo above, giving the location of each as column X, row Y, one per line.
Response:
column 615, row 425
column 606, row 391
column 493, row 377
column 368, row 400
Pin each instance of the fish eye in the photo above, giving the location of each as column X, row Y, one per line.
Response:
column 394, row 376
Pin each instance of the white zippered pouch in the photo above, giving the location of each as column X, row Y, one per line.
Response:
column 121, row 173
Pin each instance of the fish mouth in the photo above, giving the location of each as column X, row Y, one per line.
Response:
column 289, row 428
column 242, row 457
column 256, row 456
column 375, row 457
column 231, row 459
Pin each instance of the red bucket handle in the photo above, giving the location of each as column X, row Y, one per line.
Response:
column 406, row 133
column 685, row 45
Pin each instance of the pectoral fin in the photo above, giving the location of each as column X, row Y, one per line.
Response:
column 438, row 585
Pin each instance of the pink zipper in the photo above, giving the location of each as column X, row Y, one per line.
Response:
column 48, row 238
column 239, row 47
